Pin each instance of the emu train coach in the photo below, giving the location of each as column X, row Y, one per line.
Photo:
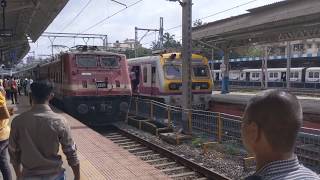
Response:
column 88, row 83
column 160, row 78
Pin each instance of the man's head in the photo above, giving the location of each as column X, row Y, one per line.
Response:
column 41, row 91
column 271, row 122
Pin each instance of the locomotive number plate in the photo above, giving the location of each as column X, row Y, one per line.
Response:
column 101, row 85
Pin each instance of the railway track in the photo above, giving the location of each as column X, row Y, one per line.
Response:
column 171, row 164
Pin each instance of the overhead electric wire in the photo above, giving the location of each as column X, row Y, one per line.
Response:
column 101, row 21
column 74, row 18
column 217, row 13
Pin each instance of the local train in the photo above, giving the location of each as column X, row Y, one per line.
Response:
column 88, row 83
column 300, row 74
column 160, row 77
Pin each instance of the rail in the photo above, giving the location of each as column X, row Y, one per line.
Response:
column 222, row 128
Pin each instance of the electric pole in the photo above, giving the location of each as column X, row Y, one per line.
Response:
column 288, row 64
column 161, row 33
column 186, row 64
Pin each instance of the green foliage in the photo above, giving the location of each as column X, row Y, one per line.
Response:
column 130, row 53
column 231, row 149
column 197, row 142
column 197, row 22
column 254, row 52
column 169, row 42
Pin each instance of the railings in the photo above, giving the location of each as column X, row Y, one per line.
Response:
column 222, row 128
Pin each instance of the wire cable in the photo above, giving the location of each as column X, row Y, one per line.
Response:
column 101, row 21
column 220, row 12
column 74, row 18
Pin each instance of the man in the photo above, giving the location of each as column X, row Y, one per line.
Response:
column 14, row 90
column 5, row 113
column 35, row 138
column 270, row 126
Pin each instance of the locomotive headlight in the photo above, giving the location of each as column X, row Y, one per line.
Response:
column 204, row 86
column 174, row 86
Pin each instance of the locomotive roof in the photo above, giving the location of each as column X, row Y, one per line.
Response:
column 93, row 53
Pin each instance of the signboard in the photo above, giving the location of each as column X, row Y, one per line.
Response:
column 101, row 85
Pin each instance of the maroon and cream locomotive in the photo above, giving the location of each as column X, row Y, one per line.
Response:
column 89, row 83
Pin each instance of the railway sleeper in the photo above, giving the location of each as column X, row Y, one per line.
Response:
column 175, row 170
column 165, row 164
column 113, row 136
column 182, row 175
column 150, row 157
column 123, row 141
column 157, row 161
column 132, row 146
column 143, row 153
column 118, row 138
column 127, row 143
column 137, row 149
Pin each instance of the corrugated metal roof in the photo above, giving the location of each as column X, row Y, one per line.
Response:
column 269, row 6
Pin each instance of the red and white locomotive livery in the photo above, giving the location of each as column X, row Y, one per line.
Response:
column 92, row 84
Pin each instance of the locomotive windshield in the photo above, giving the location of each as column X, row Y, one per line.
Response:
column 86, row 61
column 173, row 71
column 110, row 62
column 200, row 71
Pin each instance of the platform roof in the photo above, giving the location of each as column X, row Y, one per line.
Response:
column 285, row 20
column 26, row 20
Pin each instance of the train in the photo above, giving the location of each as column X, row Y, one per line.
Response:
column 299, row 74
column 88, row 83
column 159, row 77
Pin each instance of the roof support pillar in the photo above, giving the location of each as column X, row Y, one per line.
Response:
column 224, row 67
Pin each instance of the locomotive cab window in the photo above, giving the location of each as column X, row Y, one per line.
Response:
column 86, row 61
column 110, row 62
column 316, row 75
column 200, row 71
column 173, row 71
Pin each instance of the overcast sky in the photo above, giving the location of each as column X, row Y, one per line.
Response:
column 145, row 14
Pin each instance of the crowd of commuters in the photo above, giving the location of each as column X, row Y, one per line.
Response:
column 270, row 126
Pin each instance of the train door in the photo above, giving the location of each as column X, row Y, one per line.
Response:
column 283, row 76
column 135, row 78
column 153, row 79
column 247, row 76
column 217, row 76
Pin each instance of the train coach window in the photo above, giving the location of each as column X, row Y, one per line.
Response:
column 110, row 62
column 316, row 75
column 86, row 61
column 310, row 74
column 271, row 75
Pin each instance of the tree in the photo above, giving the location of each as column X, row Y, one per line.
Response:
column 169, row 42
column 197, row 22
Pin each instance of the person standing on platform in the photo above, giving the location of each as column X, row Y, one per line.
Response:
column 4, row 136
column 35, row 139
column 7, row 88
column 270, row 127
column 28, row 87
column 14, row 90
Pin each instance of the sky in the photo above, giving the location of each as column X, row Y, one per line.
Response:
column 144, row 14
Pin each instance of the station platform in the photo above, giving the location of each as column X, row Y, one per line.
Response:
column 309, row 104
column 99, row 157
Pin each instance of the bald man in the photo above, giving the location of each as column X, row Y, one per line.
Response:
column 270, row 126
